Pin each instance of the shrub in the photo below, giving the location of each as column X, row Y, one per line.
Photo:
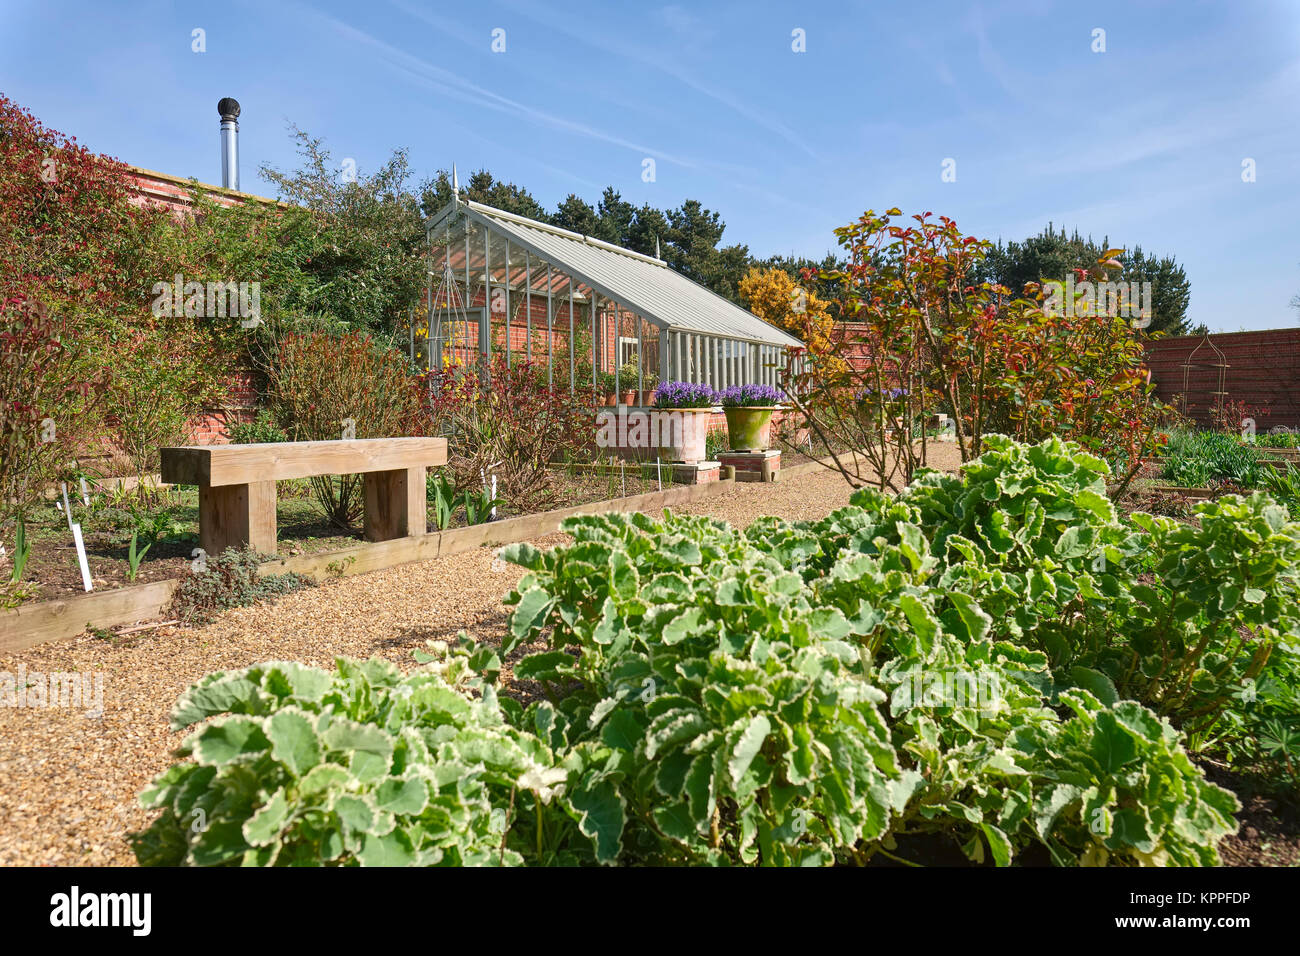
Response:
column 995, row 360
column 228, row 580
column 51, row 394
column 506, row 422
column 67, row 229
column 164, row 374
column 260, row 430
column 322, row 387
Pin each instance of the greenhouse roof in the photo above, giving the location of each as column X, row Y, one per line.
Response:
column 643, row 284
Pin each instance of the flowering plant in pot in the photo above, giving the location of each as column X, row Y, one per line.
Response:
column 688, row 406
column 627, row 381
column 749, row 410
column 605, row 389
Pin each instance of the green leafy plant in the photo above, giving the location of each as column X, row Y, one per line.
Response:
column 799, row 692
column 678, row 618
column 229, row 580
column 22, row 552
column 443, row 491
column 135, row 555
column 362, row 766
column 165, row 371
column 1199, row 459
column 261, row 429
column 716, row 442
column 479, row 506
column 1284, row 486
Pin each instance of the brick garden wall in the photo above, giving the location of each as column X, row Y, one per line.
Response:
column 1263, row 370
column 149, row 188
column 241, row 405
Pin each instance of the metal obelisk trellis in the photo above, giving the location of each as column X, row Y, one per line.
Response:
column 1220, row 363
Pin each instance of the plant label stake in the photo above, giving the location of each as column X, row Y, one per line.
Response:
column 659, row 474
column 85, row 493
column 77, row 539
column 67, row 508
column 81, row 557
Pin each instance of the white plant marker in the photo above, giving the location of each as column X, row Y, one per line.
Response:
column 494, row 497
column 81, row 557
column 77, row 540
column 65, row 507
column 659, row 474
column 85, row 493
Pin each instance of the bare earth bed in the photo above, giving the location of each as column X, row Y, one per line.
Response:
column 70, row 782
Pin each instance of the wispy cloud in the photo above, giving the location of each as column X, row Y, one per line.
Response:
column 661, row 62
column 452, row 84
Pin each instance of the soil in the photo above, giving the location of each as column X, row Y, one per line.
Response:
column 1269, row 832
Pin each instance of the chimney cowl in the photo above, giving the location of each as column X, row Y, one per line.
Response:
column 228, row 108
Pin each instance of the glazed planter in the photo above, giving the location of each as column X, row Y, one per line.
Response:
column 749, row 427
column 684, row 436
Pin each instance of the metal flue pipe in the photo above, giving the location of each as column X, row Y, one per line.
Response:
column 229, row 110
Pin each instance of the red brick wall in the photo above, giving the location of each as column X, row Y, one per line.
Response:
column 1263, row 370
column 150, row 188
column 210, row 428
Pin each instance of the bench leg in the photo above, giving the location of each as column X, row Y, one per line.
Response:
column 395, row 504
column 231, row 516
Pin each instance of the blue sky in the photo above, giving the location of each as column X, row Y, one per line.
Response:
column 1143, row 143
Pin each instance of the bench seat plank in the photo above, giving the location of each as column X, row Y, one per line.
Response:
column 218, row 465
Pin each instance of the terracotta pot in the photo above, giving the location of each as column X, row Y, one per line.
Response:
column 629, row 398
column 611, row 401
column 750, row 428
column 646, row 397
column 682, row 434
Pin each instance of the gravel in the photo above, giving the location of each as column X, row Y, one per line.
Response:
column 71, row 780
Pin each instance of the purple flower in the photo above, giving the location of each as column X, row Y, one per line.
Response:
column 749, row 396
column 685, row 395
column 889, row 394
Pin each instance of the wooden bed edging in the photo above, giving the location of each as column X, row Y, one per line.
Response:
column 33, row 624
column 387, row 554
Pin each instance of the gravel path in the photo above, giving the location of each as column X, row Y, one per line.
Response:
column 69, row 781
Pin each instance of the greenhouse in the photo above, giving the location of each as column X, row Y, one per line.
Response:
column 592, row 313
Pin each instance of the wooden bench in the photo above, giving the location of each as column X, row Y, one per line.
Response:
column 237, row 484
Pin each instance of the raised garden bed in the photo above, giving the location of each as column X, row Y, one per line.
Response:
column 53, row 572
column 38, row 622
